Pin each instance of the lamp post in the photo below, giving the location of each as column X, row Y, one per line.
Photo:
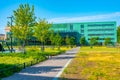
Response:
column 11, row 20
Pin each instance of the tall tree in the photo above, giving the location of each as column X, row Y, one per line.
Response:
column 107, row 41
column 118, row 34
column 52, row 39
column 67, row 40
column 58, row 40
column 24, row 19
column 93, row 41
column 72, row 41
column 41, row 31
column 82, row 41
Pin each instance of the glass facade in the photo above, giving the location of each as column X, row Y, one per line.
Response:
column 89, row 29
column 71, row 27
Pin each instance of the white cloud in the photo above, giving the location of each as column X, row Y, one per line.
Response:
column 101, row 17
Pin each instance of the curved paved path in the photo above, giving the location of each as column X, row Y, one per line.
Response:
column 50, row 69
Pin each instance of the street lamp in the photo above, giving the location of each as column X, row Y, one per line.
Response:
column 11, row 20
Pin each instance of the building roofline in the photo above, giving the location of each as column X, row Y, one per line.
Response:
column 85, row 22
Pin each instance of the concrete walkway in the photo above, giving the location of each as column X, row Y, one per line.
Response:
column 50, row 69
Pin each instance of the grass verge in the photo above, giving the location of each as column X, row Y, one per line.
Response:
column 98, row 63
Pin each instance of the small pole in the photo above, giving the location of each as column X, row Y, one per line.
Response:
column 13, row 68
column 24, row 65
column 11, row 19
column 31, row 63
column 36, row 60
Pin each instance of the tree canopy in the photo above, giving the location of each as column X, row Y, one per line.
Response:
column 58, row 40
column 94, row 41
column 51, row 37
column 118, row 34
column 67, row 40
column 82, row 41
column 41, row 31
column 24, row 19
column 107, row 41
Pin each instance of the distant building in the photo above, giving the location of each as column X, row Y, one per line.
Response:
column 88, row 29
column 7, row 32
column 2, row 36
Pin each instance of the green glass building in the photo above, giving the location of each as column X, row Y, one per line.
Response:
column 101, row 30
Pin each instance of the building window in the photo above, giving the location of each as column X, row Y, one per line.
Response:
column 109, row 34
column 71, row 27
column 100, row 25
column 82, row 26
column 109, row 29
column 102, row 38
column 82, row 34
column 82, row 31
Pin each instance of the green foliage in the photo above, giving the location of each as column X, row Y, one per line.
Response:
column 17, row 59
column 118, row 34
column 72, row 41
column 41, row 31
column 82, row 41
column 52, row 35
column 67, row 40
column 54, row 53
column 58, row 40
column 52, row 39
column 23, row 19
column 107, row 41
column 94, row 41
column 12, row 59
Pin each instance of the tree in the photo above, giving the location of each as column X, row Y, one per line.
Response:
column 58, row 40
column 118, row 34
column 67, row 40
column 107, row 41
column 82, row 41
column 41, row 31
column 72, row 41
column 52, row 39
column 24, row 19
column 93, row 41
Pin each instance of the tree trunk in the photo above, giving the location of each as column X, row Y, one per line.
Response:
column 58, row 47
column 42, row 47
column 67, row 46
column 91, row 46
column 24, row 42
column 52, row 47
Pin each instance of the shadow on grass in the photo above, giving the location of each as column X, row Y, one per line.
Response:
column 7, row 70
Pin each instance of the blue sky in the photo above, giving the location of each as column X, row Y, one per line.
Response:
column 61, row 11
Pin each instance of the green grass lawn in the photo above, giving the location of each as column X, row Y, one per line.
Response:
column 104, row 49
column 34, row 55
column 98, row 63
column 9, row 60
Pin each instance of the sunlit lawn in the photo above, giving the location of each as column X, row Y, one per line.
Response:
column 108, row 49
column 32, row 53
column 48, row 49
column 97, row 63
